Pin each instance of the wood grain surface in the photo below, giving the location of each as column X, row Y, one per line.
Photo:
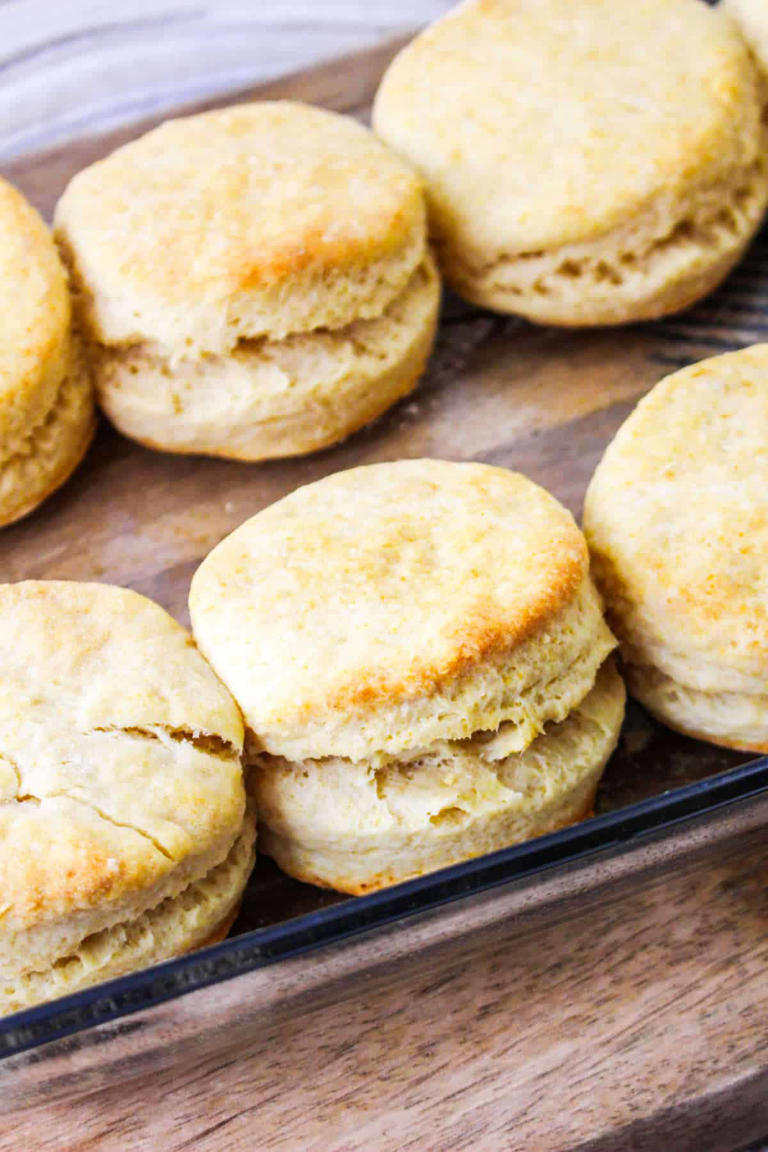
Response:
column 626, row 1013
column 630, row 1015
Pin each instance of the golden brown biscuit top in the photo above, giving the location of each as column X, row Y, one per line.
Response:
column 543, row 122
column 34, row 317
column 384, row 583
column 119, row 751
column 202, row 231
column 677, row 513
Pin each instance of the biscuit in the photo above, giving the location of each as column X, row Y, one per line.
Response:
column 273, row 398
column 752, row 18
column 346, row 825
column 391, row 618
column 587, row 162
column 250, row 264
column 46, row 402
column 676, row 517
column 124, row 834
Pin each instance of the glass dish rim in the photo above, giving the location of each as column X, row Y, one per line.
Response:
column 261, row 947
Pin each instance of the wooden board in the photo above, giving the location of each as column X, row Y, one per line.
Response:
column 629, row 1014
column 609, row 1015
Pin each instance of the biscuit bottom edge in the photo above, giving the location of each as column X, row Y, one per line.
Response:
column 52, row 451
column 199, row 916
column 273, row 398
column 736, row 720
column 625, row 276
column 300, row 870
column 354, row 828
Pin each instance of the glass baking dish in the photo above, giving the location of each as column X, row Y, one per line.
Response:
column 282, row 918
column 542, row 401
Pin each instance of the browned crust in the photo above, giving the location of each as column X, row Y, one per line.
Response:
column 478, row 630
column 332, row 236
column 480, row 639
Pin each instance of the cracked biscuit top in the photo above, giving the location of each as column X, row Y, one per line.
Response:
column 120, row 771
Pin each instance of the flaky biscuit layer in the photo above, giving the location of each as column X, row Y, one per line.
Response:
column 271, row 398
column 676, row 517
column 34, row 320
column 199, row 915
column 358, row 827
column 32, row 466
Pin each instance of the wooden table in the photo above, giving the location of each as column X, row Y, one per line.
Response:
column 628, row 1015
column 628, row 1010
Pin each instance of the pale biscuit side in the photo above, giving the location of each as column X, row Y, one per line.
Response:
column 357, row 828
column 732, row 719
column 47, row 454
column 273, row 398
column 34, row 321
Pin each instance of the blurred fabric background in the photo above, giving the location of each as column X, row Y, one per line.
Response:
column 67, row 66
